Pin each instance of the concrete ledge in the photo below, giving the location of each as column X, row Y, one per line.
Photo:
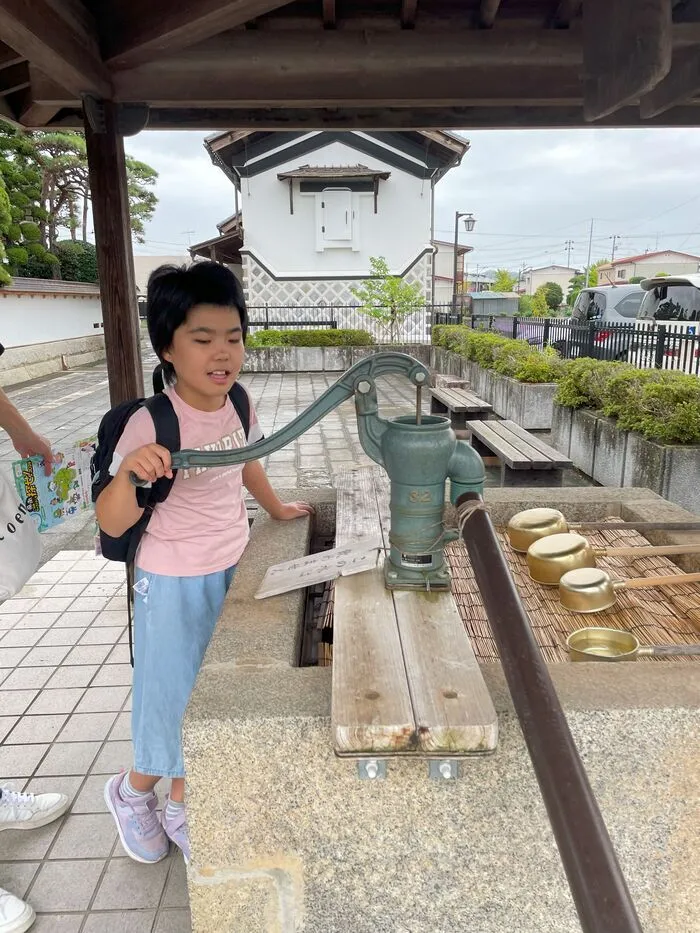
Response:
column 286, row 837
column 22, row 364
column 625, row 458
column 322, row 359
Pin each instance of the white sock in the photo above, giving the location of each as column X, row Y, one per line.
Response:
column 173, row 808
column 127, row 791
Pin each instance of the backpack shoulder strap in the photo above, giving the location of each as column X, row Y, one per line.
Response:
column 165, row 421
column 241, row 402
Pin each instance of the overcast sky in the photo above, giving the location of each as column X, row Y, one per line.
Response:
column 530, row 192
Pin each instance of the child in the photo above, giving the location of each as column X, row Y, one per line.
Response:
column 197, row 324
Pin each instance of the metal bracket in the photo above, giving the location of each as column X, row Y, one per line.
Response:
column 443, row 769
column 131, row 118
column 371, row 769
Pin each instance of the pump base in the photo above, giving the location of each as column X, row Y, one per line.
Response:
column 401, row 578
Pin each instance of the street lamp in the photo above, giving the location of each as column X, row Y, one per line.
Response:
column 469, row 221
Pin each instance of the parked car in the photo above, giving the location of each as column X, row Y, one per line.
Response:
column 601, row 305
column 673, row 301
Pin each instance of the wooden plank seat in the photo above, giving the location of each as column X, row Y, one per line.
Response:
column 405, row 678
column 516, row 448
column 460, row 404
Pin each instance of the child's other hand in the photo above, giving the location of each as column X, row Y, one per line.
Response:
column 149, row 463
column 291, row 510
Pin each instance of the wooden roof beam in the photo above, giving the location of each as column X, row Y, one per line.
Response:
column 41, row 35
column 14, row 78
column 566, row 11
column 680, row 85
column 329, row 14
column 8, row 56
column 149, row 30
column 409, row 9
column 488, row 12
column 627, row 50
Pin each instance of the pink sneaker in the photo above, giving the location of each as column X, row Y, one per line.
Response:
column 139, row 828
column 176, row 829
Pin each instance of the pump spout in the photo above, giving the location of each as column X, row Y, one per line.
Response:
column 465, row 471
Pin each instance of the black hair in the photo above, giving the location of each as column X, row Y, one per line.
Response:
column 174, row 290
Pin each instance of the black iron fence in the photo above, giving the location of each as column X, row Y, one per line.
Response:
column 646, row 344
column 384, row 326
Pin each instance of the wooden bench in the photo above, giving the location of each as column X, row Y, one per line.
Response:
column 405, row 679
column 460, row 404
column 516, row 449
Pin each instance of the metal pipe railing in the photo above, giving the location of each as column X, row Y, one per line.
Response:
column 597, row 884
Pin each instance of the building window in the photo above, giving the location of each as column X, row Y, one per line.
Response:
column 621, row 274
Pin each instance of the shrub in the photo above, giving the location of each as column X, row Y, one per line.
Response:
column 584, row 381
column 667, row 409
column 525, row 306
column 449, row 336
column 540, row 367
column 310, row 338
column 17, row 256
column 78, row 261
column 31, row 232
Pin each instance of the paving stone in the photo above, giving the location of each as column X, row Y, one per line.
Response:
column 87, row 727
column 144, row 884
column 66, row 885
column 173, row 921
column 21, row 638
column 16, row 701
column 17, row 876
column 35, row 729
column 20, row 760
column 19, row 845
column 122, row 921
column 58, row 923
column 73, row 676
column 103, row 699
column 55, row 701
column 91, row 798
column 85, row 836
column 69, row 758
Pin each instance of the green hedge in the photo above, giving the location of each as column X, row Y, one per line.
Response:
column 309, row 338
column 515, row 358
column 662, row 405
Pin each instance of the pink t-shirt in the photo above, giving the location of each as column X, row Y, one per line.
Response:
column 202, row 527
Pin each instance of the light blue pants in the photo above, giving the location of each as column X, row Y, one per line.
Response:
column 174, row 619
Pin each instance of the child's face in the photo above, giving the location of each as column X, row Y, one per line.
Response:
column 207, row 354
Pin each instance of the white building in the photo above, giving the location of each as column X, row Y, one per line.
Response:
column 443, row 270
column 144, row 265
column 648, row 265
column 313, row 208
column 533, row 278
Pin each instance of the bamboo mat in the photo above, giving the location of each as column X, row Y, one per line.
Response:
column 668, row 615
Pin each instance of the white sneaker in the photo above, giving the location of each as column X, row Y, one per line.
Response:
column 29, row 811
column 15, row 915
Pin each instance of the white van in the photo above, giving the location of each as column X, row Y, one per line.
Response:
column 601, row 305
column 674, row 302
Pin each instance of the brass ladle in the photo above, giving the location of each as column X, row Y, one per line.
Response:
column 591, row 589
column 551, row 557
column 532, row 524
column 610, row 644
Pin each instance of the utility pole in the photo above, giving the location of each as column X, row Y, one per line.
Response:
column 614, row 246
column 569, row 245
column 590, row 247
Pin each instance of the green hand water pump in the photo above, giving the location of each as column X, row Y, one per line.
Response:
column 419, row 453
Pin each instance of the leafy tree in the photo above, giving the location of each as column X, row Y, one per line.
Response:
column 5, row 222
column 660, row 275
column 47, row 179
column 78, row 261
column 525, row 306
column 553, row 295
column 636, row 279
column 504, row 281
column 386, row 298
column 141, row 179
column 540, row 308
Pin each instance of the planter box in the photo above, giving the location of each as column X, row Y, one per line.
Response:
column 562, row 418
column 625, row 458
column 322, row 359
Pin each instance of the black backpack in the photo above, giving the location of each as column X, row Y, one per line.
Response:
column 124, row 548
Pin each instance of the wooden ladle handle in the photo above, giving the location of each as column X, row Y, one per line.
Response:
column 672, row 579
column 650, row 550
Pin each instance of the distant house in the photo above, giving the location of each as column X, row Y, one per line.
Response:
column 313, row 207
column 648, row 265
column 533, row 278
column 144, row 265
column 443, row 270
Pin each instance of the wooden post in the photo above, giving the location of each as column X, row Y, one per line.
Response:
column 110, row 212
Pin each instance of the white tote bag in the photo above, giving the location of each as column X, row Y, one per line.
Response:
column 20, row 544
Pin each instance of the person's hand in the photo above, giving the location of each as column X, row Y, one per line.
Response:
column 149, row 463
column 30, row 444
column 290, row 510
